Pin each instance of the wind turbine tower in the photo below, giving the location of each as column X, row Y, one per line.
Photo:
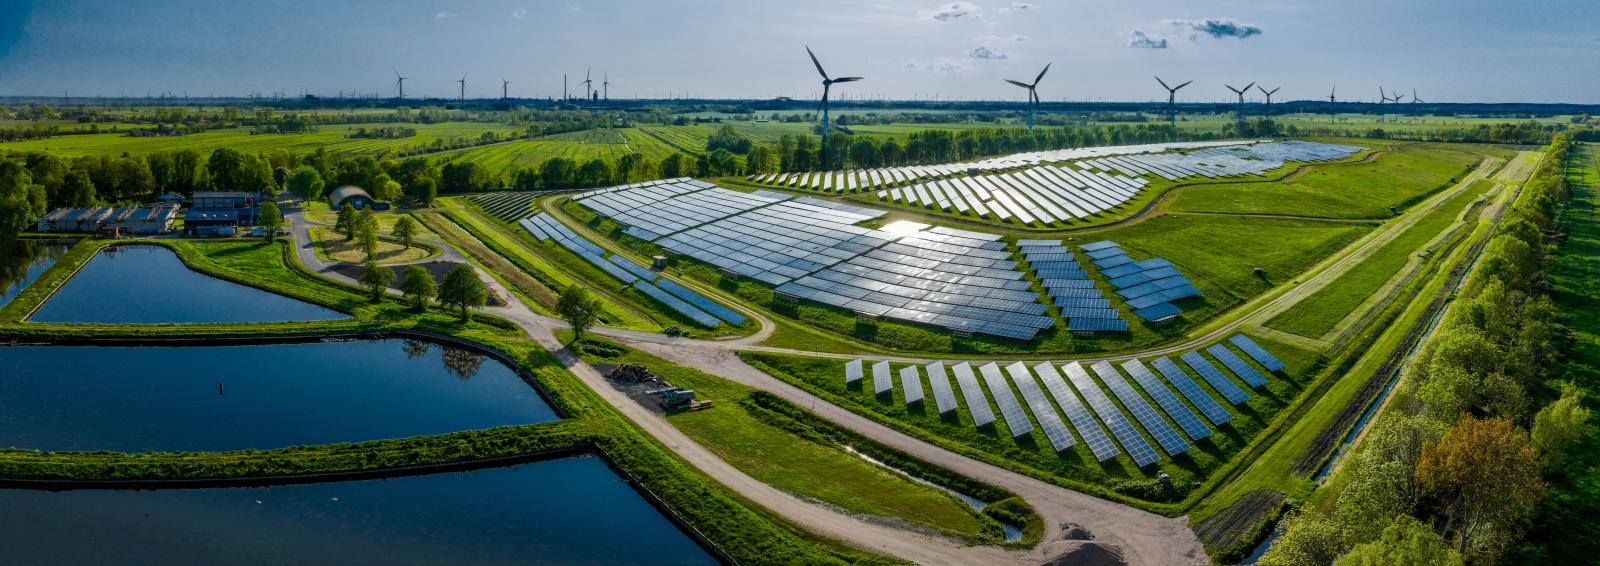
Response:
column 1240, row 92
column 400, row 84
column 463, row 82
column 1331, row 103
column 588, row 86
column 605, row 85
column 504, row 88
column 1268, row 93
column 1033, row 92
column 827, row 85
column 1172, row 99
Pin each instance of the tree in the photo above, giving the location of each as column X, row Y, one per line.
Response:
column 346, row 222
column 405, row 230
column 418, row 287
column 366, row 229
column 21, row 200
column 1488, row 472
column 232, row 170
column 426, row 190
column 1310, row 539
column 271, row 219
column 306, row 183
column 77, row 189
column 1405, row 542
column 1560, row 423
column 579, row 308
column 376, row 278
column 462, row 289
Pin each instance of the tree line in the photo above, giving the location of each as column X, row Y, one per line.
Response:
column 1453, row 471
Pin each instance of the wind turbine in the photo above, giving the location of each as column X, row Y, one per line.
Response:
column 1414, row 98
column 827, row 85
column 463, row 82
column 400, row 83
column 1268, row 93
column 1172, row 99
column 588, row 84
column 1331, row 103
column 1241, row 91
column 1033, row 92
column 504, row 84
column 605, row 85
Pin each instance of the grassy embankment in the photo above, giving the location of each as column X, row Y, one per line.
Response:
column 1119, row 479
column 756, row 434
column 745, row 531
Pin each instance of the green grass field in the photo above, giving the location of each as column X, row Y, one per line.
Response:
column 1032, row 453
column 1316, row 315
column 1395, row 179
column 505, row 158
column 798, row 465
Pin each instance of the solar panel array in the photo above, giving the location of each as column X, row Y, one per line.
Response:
column 882, row 382
column 1229, row 390
column 1016, row 418
column 911, row 384
column 1095, row 437
column 1083, row 305
column 1259, row 354
column 943, row 398
column 1208, row 406
column 1215, row 162
column 1050, row 421
column 690, row 304
column 1165, row 435
column 1169, row 403
column 1148, row 286
column 811, row 249
column 1129, row 437
column 977, row 402
column 1045, row 195
column 1236, row 365
column 852, row 372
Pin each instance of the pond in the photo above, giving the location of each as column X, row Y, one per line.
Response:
column 150, row 285
column 572, row 510
column 23, row 261
column 211, row 398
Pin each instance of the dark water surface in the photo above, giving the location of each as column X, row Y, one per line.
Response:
column 167, row 398
column 150, row 285
column 568, row 511
column 22, row 261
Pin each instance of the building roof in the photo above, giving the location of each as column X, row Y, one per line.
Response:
column 214, row 214
column 347, row 192
column 224, row 194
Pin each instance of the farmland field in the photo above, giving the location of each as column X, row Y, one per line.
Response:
column 335, row 138
column 504, row 158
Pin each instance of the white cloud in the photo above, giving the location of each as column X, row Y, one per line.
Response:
column 1019, row 6
column 952, row 11
column 1139, row 39
column 574, row 7
column 1217, row 28
column 519, row 13
column 445, row 16
column 993, row 39
column 939, row 65
column 986, row 52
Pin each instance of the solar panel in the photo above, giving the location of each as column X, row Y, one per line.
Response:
column 852, row 372
column 911, row 384
column 1192, row 391
column 708, row 305
column 1261, row 355
column 1049, row 420
column 1016, row 419
column 1093, row 436
column 977, row 403
column 1236, row 365
column 1165, row 435
column 699, row 316
column 1163, row 396
column 1158, row 312
column 1229, row 390
column 882, row 382
column 943, row 397
column 1131, row 441
column 1100, row 245
column 1097, row 325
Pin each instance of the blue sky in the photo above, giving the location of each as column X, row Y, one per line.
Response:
column 1450, row 51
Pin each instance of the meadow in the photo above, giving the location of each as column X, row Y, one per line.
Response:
column 335, row 138
column 609, row 144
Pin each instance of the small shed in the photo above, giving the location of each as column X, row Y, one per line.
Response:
column 356, row 196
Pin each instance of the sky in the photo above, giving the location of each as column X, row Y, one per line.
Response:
column 1448, row 50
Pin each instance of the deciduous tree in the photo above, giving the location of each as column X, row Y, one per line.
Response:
column 462, row 289
column 1487, row 472
column 579, row 308
column 271, row 219
column 405, row 230
column 376, row 278
column 418, row 287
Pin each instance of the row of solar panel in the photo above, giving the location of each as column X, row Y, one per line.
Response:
column 1147, row 286
column 1081, row 303
column 1091, row 407
column 1046, row 195
column 1221, row 162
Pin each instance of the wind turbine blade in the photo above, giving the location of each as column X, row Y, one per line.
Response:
column 1252, row 83
column 1263, row 91
column 1041, row 74
column 1018, row 83
column 847, row 79
column 1182, row 85
column 1163, row 83
column 817, row 63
